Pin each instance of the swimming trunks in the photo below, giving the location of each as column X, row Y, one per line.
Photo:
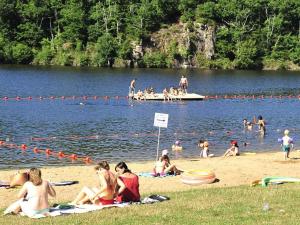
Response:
column 105, row 201
column 286, row 148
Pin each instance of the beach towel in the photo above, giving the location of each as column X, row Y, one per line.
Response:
column 4, row 183
column 64, row 183
column 60, row 209
column 151, row 175
column 64, row 209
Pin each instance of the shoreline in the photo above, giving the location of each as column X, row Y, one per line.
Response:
column 113, row 162
column 230, row 171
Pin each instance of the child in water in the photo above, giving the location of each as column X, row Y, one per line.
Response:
column 233, row 150
column 177, row 146
column 286, row 143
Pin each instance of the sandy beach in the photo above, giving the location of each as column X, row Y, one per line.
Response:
column 230, row 171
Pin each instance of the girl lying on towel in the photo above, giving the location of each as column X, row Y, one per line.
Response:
column 99, row 196
column 33, row 196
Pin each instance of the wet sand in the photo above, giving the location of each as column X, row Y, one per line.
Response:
column 231, row 171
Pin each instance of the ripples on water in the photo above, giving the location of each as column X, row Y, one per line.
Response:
column 121, row 130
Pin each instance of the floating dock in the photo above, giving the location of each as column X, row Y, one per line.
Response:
column 160, row 97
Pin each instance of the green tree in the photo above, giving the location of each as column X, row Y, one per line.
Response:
column 246, row 54
column 72, row 21
column 106, row 50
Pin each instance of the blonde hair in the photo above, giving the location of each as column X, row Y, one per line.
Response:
column 35, row 176
column 103, row 165
column 286, row 132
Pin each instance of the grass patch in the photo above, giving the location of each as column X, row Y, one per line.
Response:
column 232, row 205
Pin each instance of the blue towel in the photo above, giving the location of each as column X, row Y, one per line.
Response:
column 148, row 174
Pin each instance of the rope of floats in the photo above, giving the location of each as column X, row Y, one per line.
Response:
column 47, row 151
column 95, row 97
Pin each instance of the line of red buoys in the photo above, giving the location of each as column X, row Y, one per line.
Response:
column 47, row 151
column 85, row 97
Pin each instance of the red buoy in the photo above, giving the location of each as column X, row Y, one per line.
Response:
column 36, row 150
column 61, row 154
column 73, row 156
column 23, row 147
column 2, row 142
column 48, row 151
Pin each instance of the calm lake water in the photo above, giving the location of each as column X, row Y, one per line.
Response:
column 118, row 129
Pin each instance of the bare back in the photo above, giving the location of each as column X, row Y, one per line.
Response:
column 37, row 196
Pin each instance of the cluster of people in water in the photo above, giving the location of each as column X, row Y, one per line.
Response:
column 168, row 93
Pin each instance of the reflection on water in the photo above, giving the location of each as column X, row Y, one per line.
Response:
column 117, row 129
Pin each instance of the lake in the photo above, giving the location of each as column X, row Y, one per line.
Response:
column 118, row 129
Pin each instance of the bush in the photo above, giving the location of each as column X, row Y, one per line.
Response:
column 155, row 60
column 44, row 56
column 21, row 54
column 246, row 54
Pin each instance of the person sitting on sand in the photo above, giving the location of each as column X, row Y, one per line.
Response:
column 164, row 167
column 18, row 179
column 287, row 144
column 233, row 150
column 203, row 145
column 99, row 196
column 34, row 195
column 128, row 184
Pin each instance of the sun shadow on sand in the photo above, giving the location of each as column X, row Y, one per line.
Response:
column 216, row 180
column 291, row 160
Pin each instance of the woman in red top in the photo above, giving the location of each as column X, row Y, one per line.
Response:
column 128, row 184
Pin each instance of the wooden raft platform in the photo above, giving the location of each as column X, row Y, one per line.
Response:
column 160, row 97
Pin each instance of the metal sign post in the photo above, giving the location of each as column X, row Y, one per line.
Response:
column 160, row 120
column 157, row 149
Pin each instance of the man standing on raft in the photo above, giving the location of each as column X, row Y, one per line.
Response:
column 183, row 84
column 132, row 88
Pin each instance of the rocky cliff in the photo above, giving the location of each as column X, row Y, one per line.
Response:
column 181, row 42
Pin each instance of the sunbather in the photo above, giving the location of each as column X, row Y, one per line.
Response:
column 34, row 195
column 100, row 196
column 128, row 184
column 164, row 167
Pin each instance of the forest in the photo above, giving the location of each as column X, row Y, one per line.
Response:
column 246, row 34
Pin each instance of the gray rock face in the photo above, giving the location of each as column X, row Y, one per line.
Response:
column 182, row 41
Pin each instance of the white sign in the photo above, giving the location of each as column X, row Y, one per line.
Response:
column 161, row 120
